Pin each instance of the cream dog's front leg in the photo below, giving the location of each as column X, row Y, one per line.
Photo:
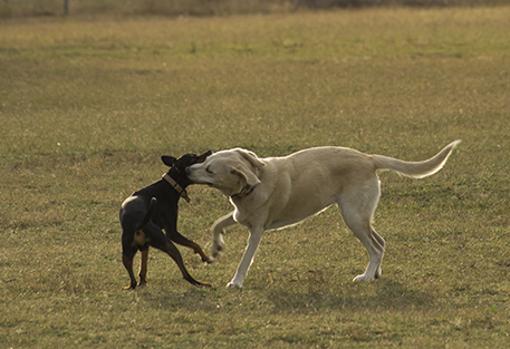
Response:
column 247, row 259
column 217, row 230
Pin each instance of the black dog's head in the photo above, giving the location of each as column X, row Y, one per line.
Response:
column 178, row 166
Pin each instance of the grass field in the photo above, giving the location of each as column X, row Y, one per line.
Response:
column 87, row 106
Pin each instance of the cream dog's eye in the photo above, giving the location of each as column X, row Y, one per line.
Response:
column 208, row 170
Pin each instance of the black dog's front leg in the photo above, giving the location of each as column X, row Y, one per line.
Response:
column 170, row 226
column 178, row 238
column 158, row 240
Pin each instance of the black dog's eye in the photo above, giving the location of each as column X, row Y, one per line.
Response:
column 208, row 170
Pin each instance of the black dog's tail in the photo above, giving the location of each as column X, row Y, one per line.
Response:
column 150, row 210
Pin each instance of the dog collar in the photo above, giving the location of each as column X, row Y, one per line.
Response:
column 177, row 187
column 243, row 193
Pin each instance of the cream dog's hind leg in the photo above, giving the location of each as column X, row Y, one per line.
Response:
column 357, row 205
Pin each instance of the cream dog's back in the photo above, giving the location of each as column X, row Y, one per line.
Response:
column 309, row 181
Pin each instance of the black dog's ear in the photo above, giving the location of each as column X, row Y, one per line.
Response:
column 203, row 156
column 168, row 160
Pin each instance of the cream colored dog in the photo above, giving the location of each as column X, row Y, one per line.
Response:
column 275, row 192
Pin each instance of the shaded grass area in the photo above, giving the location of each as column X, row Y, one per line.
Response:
column 88, row 106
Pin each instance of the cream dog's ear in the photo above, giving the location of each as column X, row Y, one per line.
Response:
column 246, row 175
column 251, row 157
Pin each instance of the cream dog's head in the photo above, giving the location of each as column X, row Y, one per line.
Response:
column 232, row 171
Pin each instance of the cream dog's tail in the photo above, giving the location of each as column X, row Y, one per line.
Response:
column 416, row 169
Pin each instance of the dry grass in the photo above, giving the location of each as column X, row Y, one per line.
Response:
column 87, row 107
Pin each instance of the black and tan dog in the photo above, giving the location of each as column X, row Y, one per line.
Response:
column 152, row 209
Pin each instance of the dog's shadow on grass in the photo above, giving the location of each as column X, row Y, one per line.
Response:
column 191, row 298
column 380, row 294
column 308, row 296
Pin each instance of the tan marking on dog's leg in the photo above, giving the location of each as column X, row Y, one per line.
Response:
column 139, row 238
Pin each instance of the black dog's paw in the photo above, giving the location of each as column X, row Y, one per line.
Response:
column 130, row 287
column 208, row 260
column 203, row 285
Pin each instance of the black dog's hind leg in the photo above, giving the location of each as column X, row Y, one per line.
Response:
column 143, row 267
column 128, row 254
column 145, row 248
column 158, row 240
column 178, row 238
